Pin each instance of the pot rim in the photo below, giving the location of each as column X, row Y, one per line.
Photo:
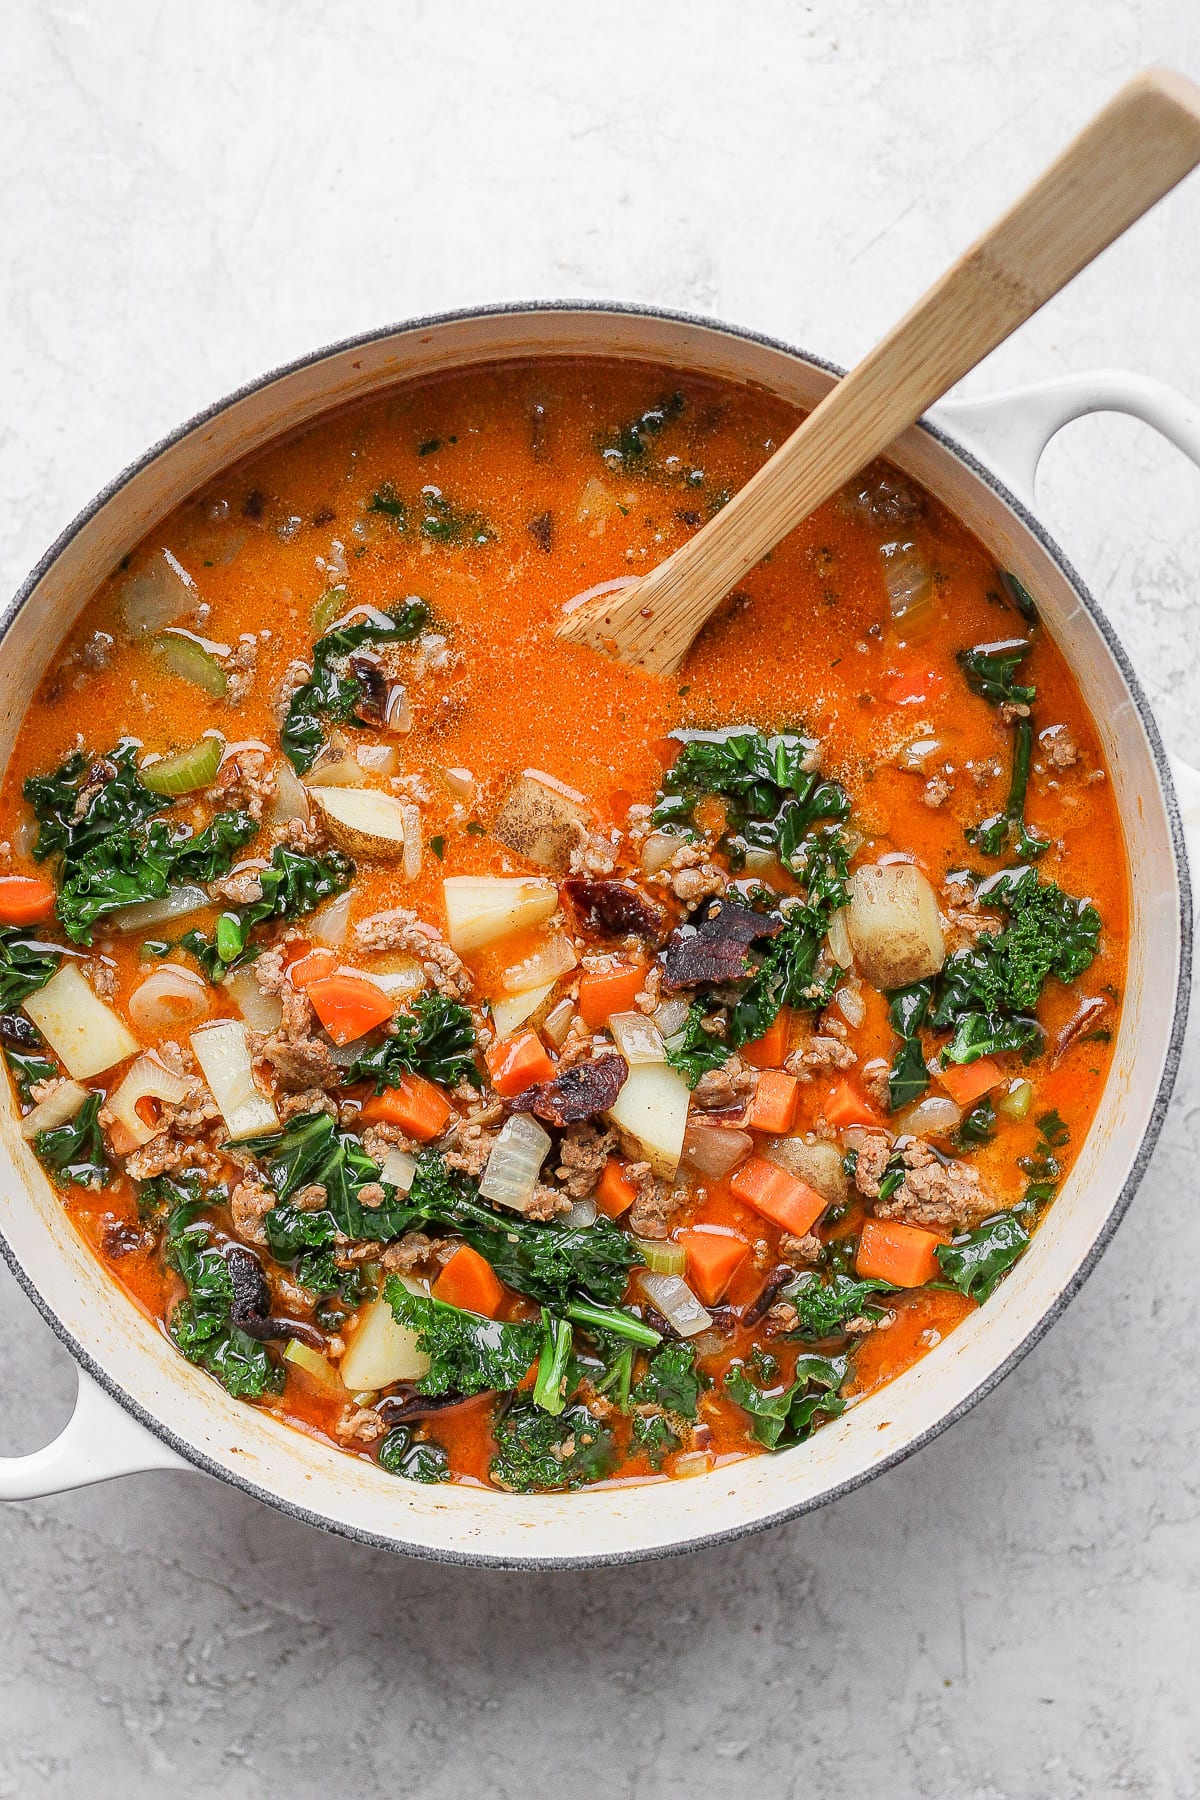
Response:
column 1121, row 1202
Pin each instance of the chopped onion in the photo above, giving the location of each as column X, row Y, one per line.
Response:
column 714, row 1150
column 188, row 658
column 850, row 1003
column 907, row 578
column 146, row 1079
column 411, row 860
column 168, row 998
column 398, row 1169
column 838, row 939
column 582, row 1215
column 596, row 503
column 692, row 1462
column 515, row 1163
column 303, row 1356
column 378, row 759
column 262, row 1012
column 176, row 905
column 56, row 1109
column 162, row 593
column 819, row 1164
column 670, row 1017
column 1016, row 1100
column 397, row 973
column 558, row 1021
column 933, row 1116
column 330, row 923
column 289, row 800
column 336, row 769
column 913, row 757
column 637, row 1038
column 460, row 783
column 661, row 1257
column 674, row 1299
column 398, row 712
column 657, row 851
column 511, row 1011
column 550, row 960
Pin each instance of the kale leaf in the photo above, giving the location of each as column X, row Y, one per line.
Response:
column 332, row 692
column 672, row 1381
column 75, row 1151
column 313, row 1150
column 87, row 800
column 773, row 799
column 908, row 1009
column 1001, row 831
column 201, row 1324
column 991, row 671
column 823, row 1307
column 537, row 1452
column 786, row 1415
column 656, row 1435
column 129, row 867
column 975, row 1262
column 1044, row 1170
column 978, row 1126
column 693, row 1050
column 416, row 1461
column 437, row 1040
column 26, row 964
column 625, row 448
column 292, row 885
column 28, row 1068
column 467, row 1354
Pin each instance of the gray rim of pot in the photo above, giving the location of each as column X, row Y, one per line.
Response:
column 1122, row 1201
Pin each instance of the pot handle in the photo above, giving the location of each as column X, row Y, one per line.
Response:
column 99, row 1440
column 1008, row 432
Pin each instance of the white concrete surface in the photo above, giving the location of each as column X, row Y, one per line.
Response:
column 192, row 193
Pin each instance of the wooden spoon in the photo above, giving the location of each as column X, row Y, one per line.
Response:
column 1144, row 141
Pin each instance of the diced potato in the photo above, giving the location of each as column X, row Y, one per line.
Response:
column 262, row 1012
column 894, row 926
column 653, row 1107
column 542, row 821
column 820, row 1165
column 76, row 1023
column 514, row 1009
column 482, row 908
column 223, row 1053
column 381, row 1351
column 364, row 821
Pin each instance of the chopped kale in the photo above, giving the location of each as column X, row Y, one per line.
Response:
column 655, row 1434
column 292, row 885
column 693, row 1050
column 75, row 1151
column 975, row 1262
column 332, row 692
column 893, row 1175
column 1043, row 1170
column 551, row 1263
column 991, row 671
column 445, row 522
column 387, row 501
column 550, row 1384
column 908, row 1009
column 626, row 448
column 26, row 964
column 436, row 1040
column 978, row 1126
column 672, row 1381
column 1006, row 830
column 823, row 1307
column 467, row 1354
column 87, row 800
column 129, row 867
column 28, row 1068
column 1020, row 596
column 539, row 1453
column 773, row 795
column 201, row 1324
column 400, row 1454
column 786, row 1415
column 313, row 1150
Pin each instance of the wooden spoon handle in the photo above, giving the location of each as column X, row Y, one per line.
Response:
column 1144, row 142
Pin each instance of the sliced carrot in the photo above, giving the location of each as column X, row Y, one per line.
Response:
column 25, row 900
column 515, row 1063
column 784, row 1199
column 890, row 1251
column 968, row 1082
column 469, row 1280
column 416, row 1105
column 773, row 1107
column 314, row 965
column 603, row 992
column 845, row 1105
column 714, row 1257
column 904, row 685
column 768, row 1051
column 349, row 1005
column 615, row 1193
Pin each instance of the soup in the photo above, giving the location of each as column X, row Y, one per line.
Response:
column 506, row 1065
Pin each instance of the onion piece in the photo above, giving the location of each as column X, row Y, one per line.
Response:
column 548, row 962
column 661, row 1257
column 913, row 757
column 330, row 923
column 162, row 593
column 690, row 1463
column 658, row 850
column 262, row 1012
column 460, row 784
column 850, row 1003
column 714, row 1150
column 819, row 1164
column 411, row 861
column 933, row 1116
column 670, row 1017
column 637, row 1038
column 398, row 712
column 838, row 939
column 515, row 1162
column 511, row 1011
column 398, row 1169
column 907, row 578
column 378, row 759
column 168, row 998
column 178, row 904
column 147, row 1078
column 336, row 769
column 289, row 800
column 314, row 1365
column 58, row 1108
column 556, row 1026
column 673, row 1298
column 582, row 1215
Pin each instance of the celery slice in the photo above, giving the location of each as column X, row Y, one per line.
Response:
column 186, row 770
column 191, row 662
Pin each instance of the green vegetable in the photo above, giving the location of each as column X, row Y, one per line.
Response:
column 549, row 1388
column 107, row 793
column 784, row 1416
column 292, row 885
column 312, row 1149
column 671, row 1381
column 28, row 1068
column 656, row 1435
column 187, row 770
column 1020, row 596
column 772, row 799
column 201, row 1324
column 908, row 1009
column 538, row 1453
column 332, row 604
column 467, row 1354
column 26, row 964
column 626, row 448
column 424, row 1462
column 444, row 522
column 191, row 662
column 975, row 1262
column 976, row 1127
column 1000, row 831
column 1044, row 1169
column 437, row 1040
column 991, row 670
column 614, row 1321
column 331, row 693
column 75, row 1151
column 129, row 867
column 823, row 1307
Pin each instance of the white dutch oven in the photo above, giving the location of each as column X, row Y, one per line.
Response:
column 142, row 1407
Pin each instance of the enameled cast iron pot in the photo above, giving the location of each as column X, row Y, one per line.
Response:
column 142, row 1407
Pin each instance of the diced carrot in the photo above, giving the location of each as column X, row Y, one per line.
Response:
column 515, row 1063
column 845, row 1105
column 25, row 900
column 603, row 992
column 768, row 1051
column 469, row 1280
column 416, row 1105
column 667, row 750
column 903, row 685
column 784, row 1199
column 714, row 1257
column 890, row 1251
column 773, row 1107
column 615, row 1193
column 314, row 965
column 968, row 1082
column 349, row 1005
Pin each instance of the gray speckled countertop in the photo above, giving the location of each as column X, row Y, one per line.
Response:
column 192, row 194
